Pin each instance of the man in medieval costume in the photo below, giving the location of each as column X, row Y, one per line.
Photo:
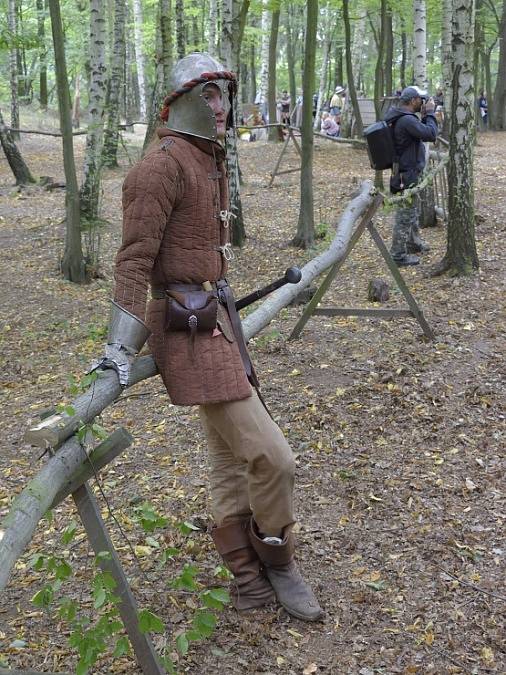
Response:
column 176, row 245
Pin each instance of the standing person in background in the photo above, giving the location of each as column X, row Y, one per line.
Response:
column 176, row 233
column 409, row 136
column 337, row 103
column 285, row 103
column 483, row 109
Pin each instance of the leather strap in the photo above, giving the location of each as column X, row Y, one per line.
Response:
column 226, row 296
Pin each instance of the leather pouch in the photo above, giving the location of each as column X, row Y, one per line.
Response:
column 192, row 311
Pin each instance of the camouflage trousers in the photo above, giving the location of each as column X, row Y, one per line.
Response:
column 406, row 231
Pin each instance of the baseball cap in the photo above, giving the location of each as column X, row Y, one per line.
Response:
column 412, row 92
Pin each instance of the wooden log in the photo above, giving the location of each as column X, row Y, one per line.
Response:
column 53, row 431
column 58, row 474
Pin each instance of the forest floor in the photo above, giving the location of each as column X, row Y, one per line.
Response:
column 399, row 442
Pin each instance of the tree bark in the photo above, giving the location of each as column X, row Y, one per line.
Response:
column 352, row 92
column 389, row 52
column 290, row 54
column 16, row 162
column 264, row 62
column 213, row 20
column 499, row 99
column 305, row 226
column 378, row 73
column 13, row 67
column 111, row 134
column 461, row 255
column 73, row 264
column 90, row 189
column 404, row 53
column 327, row 29
column 420, row 46
column 180, row 32
column 271, row 82
column 139, row 52
column 41, row 36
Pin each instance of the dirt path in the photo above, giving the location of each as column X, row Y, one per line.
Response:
column 399, row 442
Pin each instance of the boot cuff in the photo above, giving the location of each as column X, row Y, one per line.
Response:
column 272, row 555
column 231, row 537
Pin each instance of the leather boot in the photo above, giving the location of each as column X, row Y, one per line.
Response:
column 250, row 588
column 281, row 569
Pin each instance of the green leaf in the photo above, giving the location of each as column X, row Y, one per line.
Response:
column 68, row 609
column 151, row 541
column 149, row 622
column 44, row 597
column 182, row 644
column 220, row 594
column 81, row 668
column 187, row 527
column 103, row 555
column 100, row 597
column 69, row 533
column 122, row 646
column 204, row 622
column 37, row 561
column 63, row 570
column 193, row 635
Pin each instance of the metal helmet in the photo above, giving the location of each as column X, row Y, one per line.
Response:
column 185, row 109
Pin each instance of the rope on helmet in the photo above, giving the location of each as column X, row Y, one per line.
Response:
column 188, row 86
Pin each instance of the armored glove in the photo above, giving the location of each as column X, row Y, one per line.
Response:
column 126, row 337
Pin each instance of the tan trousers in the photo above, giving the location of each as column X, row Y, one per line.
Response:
column 251, row 465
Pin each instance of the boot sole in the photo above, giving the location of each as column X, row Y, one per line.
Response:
column 303, row 617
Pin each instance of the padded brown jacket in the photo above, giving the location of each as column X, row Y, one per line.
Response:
column 172, row 229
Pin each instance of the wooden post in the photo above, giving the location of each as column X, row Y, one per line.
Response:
column 98, row 536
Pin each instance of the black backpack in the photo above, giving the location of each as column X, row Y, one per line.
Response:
column 380, row 145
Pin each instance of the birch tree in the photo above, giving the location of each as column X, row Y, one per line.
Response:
column 264, row 61
column 111, row 134
column 139, row 51
column 213, row 20
column 461, row 255
column 13, row 67
column 420, row 43
column 90, row 189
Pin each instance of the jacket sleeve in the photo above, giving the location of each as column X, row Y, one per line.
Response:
column 426, row 130
column 150, row 192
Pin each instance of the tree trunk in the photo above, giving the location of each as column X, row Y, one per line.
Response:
column 461, row 255
column 139, row 52
column 252, row 74
column 76, row 106
column 305, row 226
column 163, row 68
column 499, row 99
column 327, row 41
column 271, row 83
column 378, row 73
column 180, row 32
column 389, row 52
column 13, row 67
column 111, row 134
column 264, row 63
column 41, row 36
column 420, row 46
column 90, row 189
column 404, row 53
column 290, row 55
column 16, row 162
column 73, row 264
column 213, row 20
column 352, row 92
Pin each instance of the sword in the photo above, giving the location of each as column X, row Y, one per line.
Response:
column 292, row 276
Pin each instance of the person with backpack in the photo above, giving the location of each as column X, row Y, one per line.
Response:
column 409, row 135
